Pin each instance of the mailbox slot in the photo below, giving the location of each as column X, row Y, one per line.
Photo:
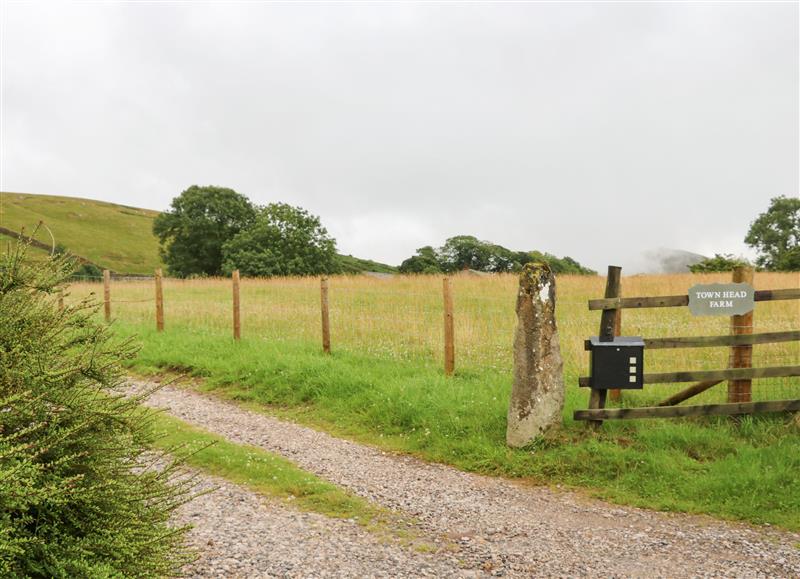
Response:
column 617, row 364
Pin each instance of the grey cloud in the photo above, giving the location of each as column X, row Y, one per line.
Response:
column 593, row 130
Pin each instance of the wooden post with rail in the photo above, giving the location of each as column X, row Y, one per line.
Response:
column 159, row 302
column 107, row 294
column 739, row 372
column 449, row 334
column 616, row 393
column 608, row 328
column 237, row 325
column 326, row 323
column 741, row 356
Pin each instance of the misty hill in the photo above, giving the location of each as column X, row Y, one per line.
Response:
column 116, row 237
column 666, row 260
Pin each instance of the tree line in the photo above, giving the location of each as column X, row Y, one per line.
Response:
column 467, row 252
column 212, row 231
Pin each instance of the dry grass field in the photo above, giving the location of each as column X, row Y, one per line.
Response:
column 400, row 318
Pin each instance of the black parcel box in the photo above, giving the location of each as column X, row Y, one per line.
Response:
column 617, row 364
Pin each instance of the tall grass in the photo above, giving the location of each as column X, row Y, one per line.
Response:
column 400, row 318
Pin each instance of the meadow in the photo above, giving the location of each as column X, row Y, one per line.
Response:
column 384, row 382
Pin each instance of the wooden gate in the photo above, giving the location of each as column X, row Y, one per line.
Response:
column 739, row 374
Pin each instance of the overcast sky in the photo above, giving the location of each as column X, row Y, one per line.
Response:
column 595, row 130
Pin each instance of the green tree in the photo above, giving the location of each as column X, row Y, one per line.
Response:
column 789, row 260
column 283, row 240
column 720, row 262
column 77, row 497
column 468, row 252
column 424, row 261
column 775, row 234
column 201, row 220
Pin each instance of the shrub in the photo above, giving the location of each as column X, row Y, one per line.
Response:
column 720, row 262
column 77, row 498
column 89, row 270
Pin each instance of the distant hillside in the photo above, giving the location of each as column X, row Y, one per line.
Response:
column 352, row 264
column 113, row 236
column 667, row 260
column 116, row 237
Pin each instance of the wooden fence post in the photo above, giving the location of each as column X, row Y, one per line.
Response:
column 608, row 325
column 159, row 302
column 326, row 323
column 741, row 356
column 107, row 294
column 616, row 393
column 237, row 327
column 449, row 334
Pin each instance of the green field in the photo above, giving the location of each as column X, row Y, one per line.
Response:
column 113, row 236
column 384, row 383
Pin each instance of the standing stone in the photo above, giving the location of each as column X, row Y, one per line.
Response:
column 537, row 397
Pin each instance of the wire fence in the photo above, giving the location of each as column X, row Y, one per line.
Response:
column 401, row 318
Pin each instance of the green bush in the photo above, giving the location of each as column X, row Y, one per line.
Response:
column 720, row 262
column 87, row 270
column 79, row 494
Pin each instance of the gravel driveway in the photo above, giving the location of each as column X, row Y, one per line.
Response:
column 241, row 534
column 498, row 527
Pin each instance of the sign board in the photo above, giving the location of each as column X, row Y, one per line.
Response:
column 721, row 299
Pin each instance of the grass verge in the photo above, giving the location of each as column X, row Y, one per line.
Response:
column 273, row 476
column 749, row 471
column 261, row 471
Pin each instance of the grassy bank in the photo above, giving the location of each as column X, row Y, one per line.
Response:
column 749, row 472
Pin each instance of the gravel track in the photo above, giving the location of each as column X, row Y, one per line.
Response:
column 498, row 527
column 241, row 534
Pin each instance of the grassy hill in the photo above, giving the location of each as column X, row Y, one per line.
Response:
column 112, row 236
column 350, row 264
column 117, row 237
